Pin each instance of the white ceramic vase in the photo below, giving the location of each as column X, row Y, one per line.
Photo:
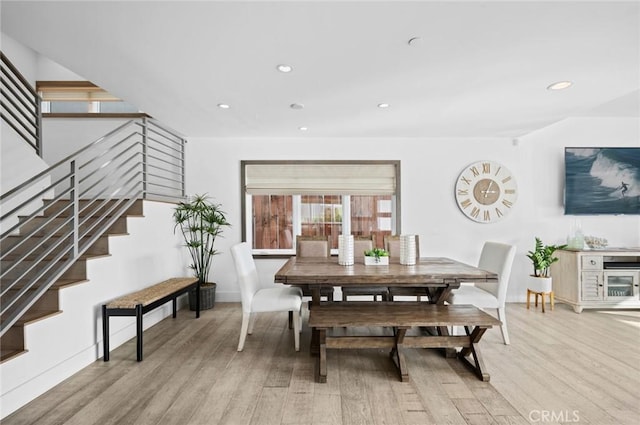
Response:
column 540, row 284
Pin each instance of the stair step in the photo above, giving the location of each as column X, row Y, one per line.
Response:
column 36, row 315
column 15, row 245
column 61, row 226
column 89, row 208
column 77, row 271
column 7, row 354
column 58, row 284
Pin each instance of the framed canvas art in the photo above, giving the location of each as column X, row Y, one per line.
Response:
column 602, row 181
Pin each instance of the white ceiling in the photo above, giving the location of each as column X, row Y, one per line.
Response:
column 480, row 70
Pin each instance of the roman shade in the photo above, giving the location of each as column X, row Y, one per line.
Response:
column 320, row 178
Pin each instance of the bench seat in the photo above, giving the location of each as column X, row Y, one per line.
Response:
column 140, row 302
column 401, row 316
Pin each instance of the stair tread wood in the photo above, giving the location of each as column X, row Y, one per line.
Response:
column 8, row 354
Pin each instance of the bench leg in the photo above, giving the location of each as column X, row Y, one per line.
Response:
column 474, row 351
column 198, row 300
column 174, row 305
column 105, row 333
column 322, row 358
column 397, row 354
column 139, row 332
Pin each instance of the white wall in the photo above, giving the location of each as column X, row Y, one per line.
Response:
column 429, row 171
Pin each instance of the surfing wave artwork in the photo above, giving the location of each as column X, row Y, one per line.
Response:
column 602, row 181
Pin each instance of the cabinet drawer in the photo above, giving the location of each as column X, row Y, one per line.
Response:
column 592, row 262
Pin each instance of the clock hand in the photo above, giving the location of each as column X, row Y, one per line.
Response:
column 488, row 187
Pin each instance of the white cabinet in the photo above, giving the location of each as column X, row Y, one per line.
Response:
column 597, row 279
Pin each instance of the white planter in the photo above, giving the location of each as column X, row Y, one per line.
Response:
column 539, row 284
column 373, row 261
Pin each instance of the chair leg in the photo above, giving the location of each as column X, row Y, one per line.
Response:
column 296, row 329
column 252, row 322
column 243, row 330
column 291, row 320
column 503, row 318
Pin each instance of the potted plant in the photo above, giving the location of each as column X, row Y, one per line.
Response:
column 376, row 257
column 200, row 222
column 542, row 258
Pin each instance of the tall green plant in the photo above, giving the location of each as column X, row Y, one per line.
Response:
column 200, row 222
column 542, row 257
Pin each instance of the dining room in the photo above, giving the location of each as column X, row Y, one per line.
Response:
column 345, row 101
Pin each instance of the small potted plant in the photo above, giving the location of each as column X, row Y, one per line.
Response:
column 200, row 222
column 542, row 257
column 376, row 257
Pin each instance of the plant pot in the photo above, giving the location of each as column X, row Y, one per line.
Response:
column 373, row 261
column 540, row 284
column 207, row 297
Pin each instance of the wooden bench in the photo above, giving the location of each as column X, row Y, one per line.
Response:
column 401, row 316
column 140, row 302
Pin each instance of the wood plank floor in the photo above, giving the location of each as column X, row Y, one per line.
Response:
column 561, row 367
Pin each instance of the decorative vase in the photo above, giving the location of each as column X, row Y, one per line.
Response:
column 207, row 297
column 540, row 284
column 345, row 250
column 408, row 249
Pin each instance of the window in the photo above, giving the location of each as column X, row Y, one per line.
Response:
column 80, row 98
column 282, row 199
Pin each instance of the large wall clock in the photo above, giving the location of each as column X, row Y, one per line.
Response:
column 486, row 191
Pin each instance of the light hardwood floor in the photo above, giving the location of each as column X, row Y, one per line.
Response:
column 561, row 367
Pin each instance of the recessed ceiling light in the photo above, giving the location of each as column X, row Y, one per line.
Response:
column 296, row 106
column 284, row 68
column 303, row 128
column 223, row 106
column 560, row 85
column 383, row 105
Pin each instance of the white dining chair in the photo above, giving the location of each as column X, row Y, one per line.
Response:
column 257, row 300
column 498, row 258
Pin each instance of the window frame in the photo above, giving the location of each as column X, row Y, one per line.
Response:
column 246, row 202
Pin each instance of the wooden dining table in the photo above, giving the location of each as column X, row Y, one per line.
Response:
column 438, row 275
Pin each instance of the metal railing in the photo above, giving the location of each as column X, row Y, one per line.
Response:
column 20, row 104
column 88, row 191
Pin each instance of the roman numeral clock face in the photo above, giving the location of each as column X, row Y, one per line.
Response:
column 486, row 191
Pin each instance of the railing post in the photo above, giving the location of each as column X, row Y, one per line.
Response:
column 183, row 188
column 144, row 157
column 76, row 208
column 38, row 125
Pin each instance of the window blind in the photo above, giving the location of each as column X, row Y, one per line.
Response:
column 314, row 178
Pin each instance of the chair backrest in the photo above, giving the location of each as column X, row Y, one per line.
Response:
column 392, row 245
column 248, row 279
column 498, row 258
column 362, row 244
column 312, row 246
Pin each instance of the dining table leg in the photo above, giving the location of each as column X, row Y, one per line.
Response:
column 314, row 348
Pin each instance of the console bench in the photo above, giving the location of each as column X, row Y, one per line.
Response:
column 140, row 302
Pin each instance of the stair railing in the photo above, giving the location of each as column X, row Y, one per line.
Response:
column 20, row 104
column 88, row 191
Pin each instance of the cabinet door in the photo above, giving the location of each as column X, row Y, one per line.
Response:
column 592, row 286
column 620, row 285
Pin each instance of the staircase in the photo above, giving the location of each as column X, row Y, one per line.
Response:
column 26, row 250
